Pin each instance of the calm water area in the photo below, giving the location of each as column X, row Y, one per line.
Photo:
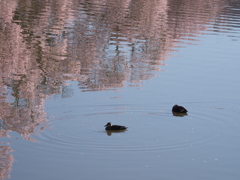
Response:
column 70, row 66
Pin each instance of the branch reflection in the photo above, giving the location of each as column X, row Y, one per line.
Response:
column 101, row 45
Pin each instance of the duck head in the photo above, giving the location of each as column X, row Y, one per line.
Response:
column 108, row 124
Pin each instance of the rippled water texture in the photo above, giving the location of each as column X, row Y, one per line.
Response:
column 69, row 67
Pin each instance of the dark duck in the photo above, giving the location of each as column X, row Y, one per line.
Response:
column 111, row 127
column 179, row 109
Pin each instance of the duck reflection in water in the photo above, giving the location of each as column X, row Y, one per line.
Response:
column 114, row 128
column 179, row 111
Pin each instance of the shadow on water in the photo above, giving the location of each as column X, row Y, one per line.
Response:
column 179, row 114
column 110, row 132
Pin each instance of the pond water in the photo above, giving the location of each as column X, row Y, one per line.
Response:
column 69, row 67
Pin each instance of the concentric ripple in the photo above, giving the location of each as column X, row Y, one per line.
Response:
column 149, row 129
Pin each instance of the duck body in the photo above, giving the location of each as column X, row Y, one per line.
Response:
column 111, row 127
column 179, row 109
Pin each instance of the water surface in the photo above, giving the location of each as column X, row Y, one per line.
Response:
column 69, row 67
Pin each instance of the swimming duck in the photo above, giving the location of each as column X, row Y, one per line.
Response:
column 179, row 109
column 109, row 126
